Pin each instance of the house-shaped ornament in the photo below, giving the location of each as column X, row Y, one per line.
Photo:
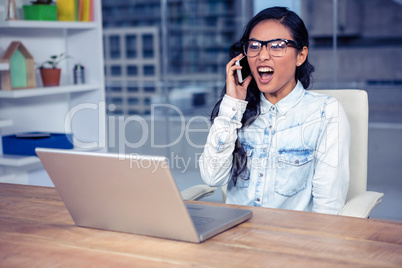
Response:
column 21, row 72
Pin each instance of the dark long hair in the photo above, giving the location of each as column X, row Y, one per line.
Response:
column 299, row 33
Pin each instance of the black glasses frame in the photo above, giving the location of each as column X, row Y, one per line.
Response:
column 265, row 43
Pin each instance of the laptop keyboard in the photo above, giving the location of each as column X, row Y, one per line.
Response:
column 198, row 221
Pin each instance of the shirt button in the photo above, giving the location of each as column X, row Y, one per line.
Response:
column 234, row 109
column 270, row 126
column 265, row 149
column 261, row 174
column 297, row 161
column 258, row 200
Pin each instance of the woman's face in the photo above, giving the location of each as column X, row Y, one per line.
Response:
column 275, row 76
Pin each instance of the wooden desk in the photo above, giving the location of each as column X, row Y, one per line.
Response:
column 36, row 230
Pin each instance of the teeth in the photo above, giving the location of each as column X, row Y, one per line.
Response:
column 265, row 70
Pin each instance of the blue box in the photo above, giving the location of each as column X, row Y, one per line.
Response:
column 25, row 143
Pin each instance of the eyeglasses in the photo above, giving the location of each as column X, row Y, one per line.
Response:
column 275, row 47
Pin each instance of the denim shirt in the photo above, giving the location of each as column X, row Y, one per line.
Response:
column 297, row 153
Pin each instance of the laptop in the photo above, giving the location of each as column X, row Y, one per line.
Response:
column 132, row 194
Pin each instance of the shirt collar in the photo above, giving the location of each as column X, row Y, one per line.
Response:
column 285, row 104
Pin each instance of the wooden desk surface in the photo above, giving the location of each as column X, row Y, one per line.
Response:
column 36, row 230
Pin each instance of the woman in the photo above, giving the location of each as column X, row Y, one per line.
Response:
column 272, row 142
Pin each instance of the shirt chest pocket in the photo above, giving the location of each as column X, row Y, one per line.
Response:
column 295, row 167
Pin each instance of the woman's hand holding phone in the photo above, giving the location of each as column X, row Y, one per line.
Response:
column 233, row 88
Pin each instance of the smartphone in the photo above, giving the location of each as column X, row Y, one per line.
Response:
column 245, row 71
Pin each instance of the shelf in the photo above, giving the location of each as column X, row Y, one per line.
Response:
column 6, row 122
column 47, row 24
column 23, row 93
column 18, row 160
column 4, row 66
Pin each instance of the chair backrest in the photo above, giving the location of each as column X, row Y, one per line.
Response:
column 355, row 103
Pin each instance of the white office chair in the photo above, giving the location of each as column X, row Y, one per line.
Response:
column 359, row 201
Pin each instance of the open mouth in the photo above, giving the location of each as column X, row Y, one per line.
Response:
column 265, row 72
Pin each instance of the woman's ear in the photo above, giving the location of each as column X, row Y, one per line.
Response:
column 302, row 56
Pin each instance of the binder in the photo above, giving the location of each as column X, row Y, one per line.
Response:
column 66, row 10
column 85, row 10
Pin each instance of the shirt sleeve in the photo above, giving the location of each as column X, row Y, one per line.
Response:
column 331, row 177
column 216, row 159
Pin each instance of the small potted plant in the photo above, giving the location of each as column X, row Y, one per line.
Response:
column 49, row 71
column 40, row 10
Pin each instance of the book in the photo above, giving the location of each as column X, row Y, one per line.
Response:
column 85, row 10
column 76, row 8
column 66, row 10
column 91, row 10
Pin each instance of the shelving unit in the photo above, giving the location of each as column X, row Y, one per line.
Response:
column 76, row 109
